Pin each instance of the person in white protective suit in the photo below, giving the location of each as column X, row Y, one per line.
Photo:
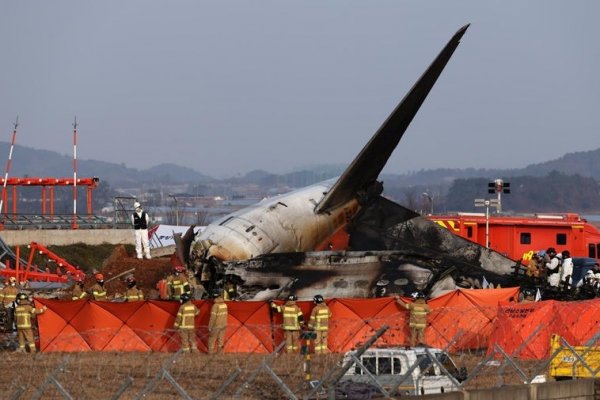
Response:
column 139, row 220
column 553, row 267
column 566, row 272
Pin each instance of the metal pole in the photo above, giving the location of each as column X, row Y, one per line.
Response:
column 487, row 224
column 74, row 225
column 8, row 163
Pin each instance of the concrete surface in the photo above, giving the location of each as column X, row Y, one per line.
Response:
column 62, row 237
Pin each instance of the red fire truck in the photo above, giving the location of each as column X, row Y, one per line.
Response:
column 518, row 237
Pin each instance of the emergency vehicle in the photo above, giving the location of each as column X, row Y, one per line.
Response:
column 518, row 237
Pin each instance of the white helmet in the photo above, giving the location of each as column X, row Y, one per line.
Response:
column 137, row 205
column 597, row 276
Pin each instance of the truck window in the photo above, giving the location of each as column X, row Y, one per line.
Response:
column 469, row 231
column 447, row 363
column 385, row 366
column 370, row 364
column 561, row 238
column 592, row 250
column 425, row 365
column 397, row 366
column 525, row 238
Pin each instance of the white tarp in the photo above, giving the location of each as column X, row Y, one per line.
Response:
column 163, row 236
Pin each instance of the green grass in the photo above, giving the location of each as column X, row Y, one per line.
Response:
column 87, row 257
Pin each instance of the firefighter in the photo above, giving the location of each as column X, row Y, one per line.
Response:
column 78, row 292
column 133, row 293
column 98, row 290
column 217, row 323
column 185, row 323
column 8, row 294
column 319, row 322
column 418, row 317
column 230, row 289
column 293, row 319
column 177, row 284
column 24, row 314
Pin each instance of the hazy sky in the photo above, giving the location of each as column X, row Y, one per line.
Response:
column 226, row 87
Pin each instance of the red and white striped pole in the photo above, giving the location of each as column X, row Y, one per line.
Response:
column 8, row 163
column 74, row 225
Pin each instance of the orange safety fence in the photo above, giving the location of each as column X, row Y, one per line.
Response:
column 464, row 317
column 524, row 330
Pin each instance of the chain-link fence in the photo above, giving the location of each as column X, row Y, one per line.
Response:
column 259, row 374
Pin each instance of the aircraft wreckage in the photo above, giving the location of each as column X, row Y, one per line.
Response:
column 341, row 238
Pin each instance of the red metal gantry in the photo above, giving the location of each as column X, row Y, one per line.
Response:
column 47, row 184
column 30, row 272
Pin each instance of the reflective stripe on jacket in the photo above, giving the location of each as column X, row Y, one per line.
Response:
column 218, row 315
column 319, row 317
column 23, row 315
column 418, row 315
column 186, row 315
column 99, row 292
column 8, row 295
column 78, row 294
column 292, row 316
column 134, row 294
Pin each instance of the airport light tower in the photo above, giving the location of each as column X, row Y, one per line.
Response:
column 498, row 186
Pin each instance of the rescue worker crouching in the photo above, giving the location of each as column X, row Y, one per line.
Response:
column 177, row 284
column 418, row 317
column 24, row 314
column 98, row 290
column 133, row 293
column 319, row 323
column 293, row 319
column 217, row 324
column 8, row 294
column 185, row 323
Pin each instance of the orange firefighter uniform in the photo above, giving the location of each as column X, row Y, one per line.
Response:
column 217, row 325
column 134, row 294
column 8, row 295
column 99, row 292
column 418, row 319
column 319, row 322
column 185, row 322
column 78, row 292
column 292, row 321
column 24, row 314
column 177, row 284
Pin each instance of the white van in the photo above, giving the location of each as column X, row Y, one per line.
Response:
column 387, row 365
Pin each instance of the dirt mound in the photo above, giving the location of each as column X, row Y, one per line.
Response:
column 146, row 272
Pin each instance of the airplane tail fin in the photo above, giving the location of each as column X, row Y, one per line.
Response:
column 365, row 168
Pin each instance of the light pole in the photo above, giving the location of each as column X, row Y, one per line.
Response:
column 430, row 201
column 176, row 208
column 487, row 204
